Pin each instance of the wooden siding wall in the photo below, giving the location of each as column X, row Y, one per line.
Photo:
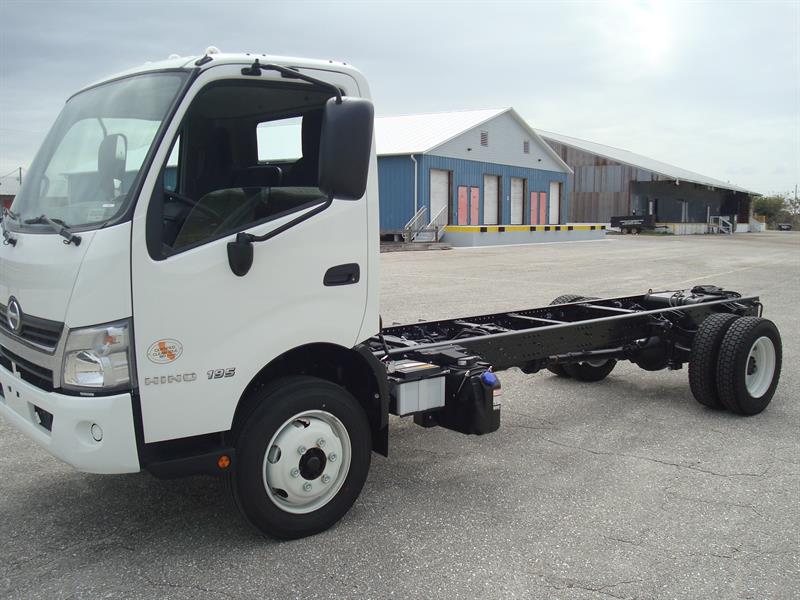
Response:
column 599, row 188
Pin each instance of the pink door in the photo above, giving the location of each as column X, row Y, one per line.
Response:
column 474, row 203
column 463, row 206
column 534, row 209
column 543, row 208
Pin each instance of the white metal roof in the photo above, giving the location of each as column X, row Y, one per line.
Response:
column 417, row 134
column 422, row 133
column 641, row 162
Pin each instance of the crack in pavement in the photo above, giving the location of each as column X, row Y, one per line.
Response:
column 655, row 460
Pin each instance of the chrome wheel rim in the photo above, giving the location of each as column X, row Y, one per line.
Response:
column 760, row 367
column 306, row 462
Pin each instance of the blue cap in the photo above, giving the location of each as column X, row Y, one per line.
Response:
column 489, row 378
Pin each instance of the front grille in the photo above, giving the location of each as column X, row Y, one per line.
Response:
column 42, row 332
column 33, row 374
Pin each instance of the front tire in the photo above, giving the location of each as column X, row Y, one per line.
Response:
column 749, row 365
column 303, row 457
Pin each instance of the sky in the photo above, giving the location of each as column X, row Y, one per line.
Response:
column 713, row 87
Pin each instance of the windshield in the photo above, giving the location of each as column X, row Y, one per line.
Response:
column 83, row 173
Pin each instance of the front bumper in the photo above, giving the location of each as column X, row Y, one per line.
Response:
column 71, row 436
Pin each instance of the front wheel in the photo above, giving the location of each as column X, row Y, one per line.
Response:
column 303, row 457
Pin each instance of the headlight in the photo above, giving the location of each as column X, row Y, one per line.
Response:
column 98, row 357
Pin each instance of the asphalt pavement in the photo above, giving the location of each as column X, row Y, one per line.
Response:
column 626, row 488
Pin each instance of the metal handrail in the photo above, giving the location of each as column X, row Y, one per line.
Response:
column 416, row 223
column 721, row 223
column 438, row 222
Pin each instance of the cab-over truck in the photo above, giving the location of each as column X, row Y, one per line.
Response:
column 189, row 285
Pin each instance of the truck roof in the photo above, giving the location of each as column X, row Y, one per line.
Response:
column 221, row 58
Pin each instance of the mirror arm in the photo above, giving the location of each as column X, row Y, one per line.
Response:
column 240, row 251
column 256, row 68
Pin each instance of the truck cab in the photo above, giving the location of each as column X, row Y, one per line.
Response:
column 190, row 232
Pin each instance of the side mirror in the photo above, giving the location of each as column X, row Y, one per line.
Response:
column 112, row 155
column 345, row 147
column 111, row 158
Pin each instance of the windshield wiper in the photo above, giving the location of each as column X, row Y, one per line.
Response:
column 58, row 226
column 8, row 239
column 10, row 213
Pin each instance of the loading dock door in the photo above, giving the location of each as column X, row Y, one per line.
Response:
column 468, row 203
column 474, row 205
column 555, row 201
column 440, row 192
column 463, row 206
column 517, row 197
column 491, row 199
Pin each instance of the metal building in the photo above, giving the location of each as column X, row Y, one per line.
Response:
column 469, row 172
column 608, row 182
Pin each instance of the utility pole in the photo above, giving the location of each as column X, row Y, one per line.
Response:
column 20, row 177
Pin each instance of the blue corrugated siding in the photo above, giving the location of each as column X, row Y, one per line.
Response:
column 470, row 173
column 396, row 186
column 396, row 191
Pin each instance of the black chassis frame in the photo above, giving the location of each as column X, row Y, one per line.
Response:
column 654, row 330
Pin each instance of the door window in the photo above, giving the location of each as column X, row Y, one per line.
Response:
column 248, row 152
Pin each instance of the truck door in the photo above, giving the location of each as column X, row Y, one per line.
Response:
column 241, row 155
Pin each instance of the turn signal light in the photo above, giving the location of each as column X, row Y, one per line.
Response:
column 224, row 461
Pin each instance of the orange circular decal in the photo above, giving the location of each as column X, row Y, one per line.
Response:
column 164, row 351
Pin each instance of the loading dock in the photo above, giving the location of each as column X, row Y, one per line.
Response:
column 499, row 173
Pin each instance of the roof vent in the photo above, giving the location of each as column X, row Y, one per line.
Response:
column 484, row 138
column 526, row 147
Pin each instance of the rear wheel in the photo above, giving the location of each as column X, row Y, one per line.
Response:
column 749, row 365
column 591, row 370
column 705, row 355
column 303, row 457
column 563, row 299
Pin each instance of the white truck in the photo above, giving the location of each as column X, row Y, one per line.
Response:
column 189, row 285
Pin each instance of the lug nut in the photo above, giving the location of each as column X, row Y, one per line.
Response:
column 332, row 457
column 326, row 478
column 321, row 443
column 301, row 450
column 307, row 487
column 294, row 472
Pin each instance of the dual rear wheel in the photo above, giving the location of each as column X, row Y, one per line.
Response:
column 736, row 363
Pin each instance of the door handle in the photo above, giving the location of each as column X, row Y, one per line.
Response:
column 342, row 275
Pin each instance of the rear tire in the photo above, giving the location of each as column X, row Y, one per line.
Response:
column 289, row 494
column 705, row 355
column 749, row 365
column 563, row 299
column 586, row 371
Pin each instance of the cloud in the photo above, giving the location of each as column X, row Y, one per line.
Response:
column 712, row 87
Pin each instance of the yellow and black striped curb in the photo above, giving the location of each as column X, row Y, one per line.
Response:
column 505, row 228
